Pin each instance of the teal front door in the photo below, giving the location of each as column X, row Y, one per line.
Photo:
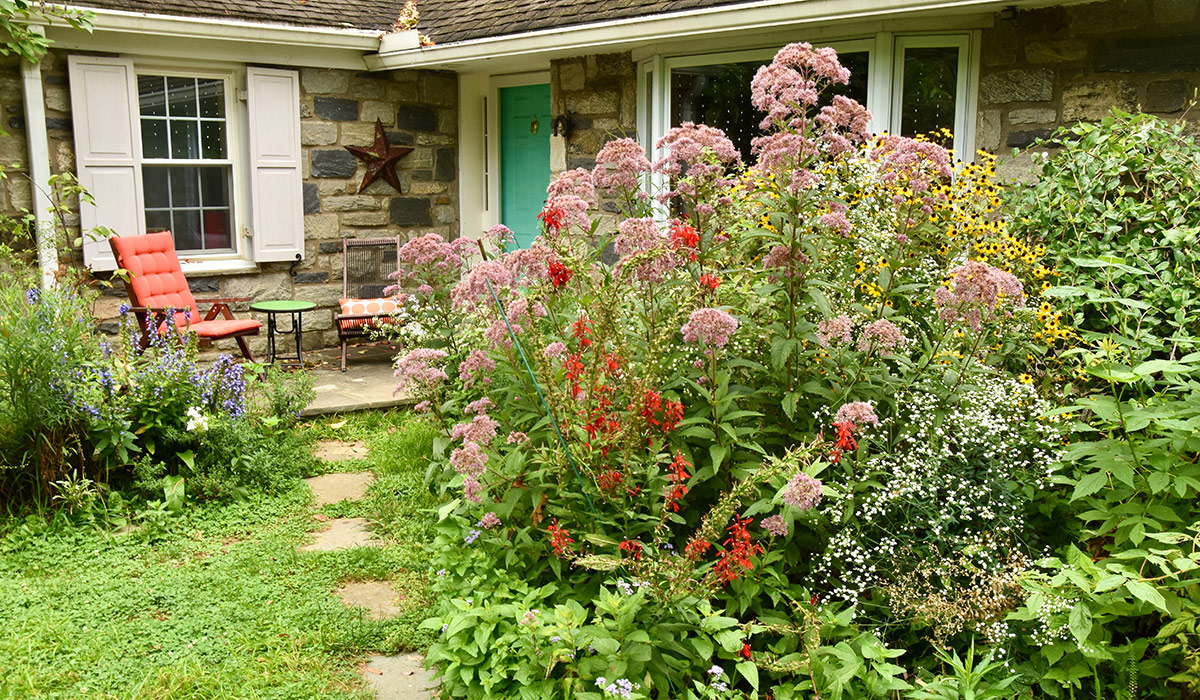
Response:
column 524, row 158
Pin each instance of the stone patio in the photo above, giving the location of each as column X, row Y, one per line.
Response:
column 366, row 384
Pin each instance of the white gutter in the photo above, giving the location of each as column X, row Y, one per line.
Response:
column 39, row 172
column 210, row 28
column 694, row 24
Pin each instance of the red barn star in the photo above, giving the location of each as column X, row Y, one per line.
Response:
column 381, row 159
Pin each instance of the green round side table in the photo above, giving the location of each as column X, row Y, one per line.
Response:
column 296, row 310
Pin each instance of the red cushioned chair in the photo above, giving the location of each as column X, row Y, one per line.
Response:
column 156, row 283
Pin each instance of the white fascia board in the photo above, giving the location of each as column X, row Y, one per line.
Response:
column 714, row 22
column 216, row 39
column 695, row 24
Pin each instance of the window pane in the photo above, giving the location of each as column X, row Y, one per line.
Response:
column 185, row 140
column 212, row 139
column 212, row 98
column 930, row 91
column 154, row 183
column 185, row 187
column 154, row 138
column 157, row 221
column 182, row 96
column 214, row 184
column 719, row 95
column 152, row 95
column 217, row 229
column 186, row 229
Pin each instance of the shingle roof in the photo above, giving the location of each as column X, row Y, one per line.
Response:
column 358, row 14
column 445, row 21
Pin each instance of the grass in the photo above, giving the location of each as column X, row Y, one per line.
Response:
column 222, row 605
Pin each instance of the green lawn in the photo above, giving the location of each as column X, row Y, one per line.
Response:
column 222, row 605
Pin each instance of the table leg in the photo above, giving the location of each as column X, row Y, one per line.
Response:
column 297, row 319
column 270, row 337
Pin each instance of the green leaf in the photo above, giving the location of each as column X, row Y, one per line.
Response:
column 445, row 510
column 1147, row 593
column 1089, row 484
column 749, row 671
column 1110, row 582
column 1080, row 622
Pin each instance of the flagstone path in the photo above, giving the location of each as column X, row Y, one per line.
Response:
column 399, row 677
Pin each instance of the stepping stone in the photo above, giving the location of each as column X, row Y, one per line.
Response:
column 378, row 597
column 335, row 488
column 400, row 677
column 339, row 451
column 342, row 533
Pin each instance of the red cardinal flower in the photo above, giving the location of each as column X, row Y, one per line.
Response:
column 745, row 653
column 553, row 218
column 734, row 560
column 710, row 281
column 845, row 441
column 560, row 539
column 559, row 274
column 677, row 472
column 633, row 547
column 684, row 237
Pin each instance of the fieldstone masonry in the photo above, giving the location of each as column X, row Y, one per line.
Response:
column 599, row 92
column 337, row 108
column 1051, row 67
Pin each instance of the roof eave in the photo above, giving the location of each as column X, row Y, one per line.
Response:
column 624, row 34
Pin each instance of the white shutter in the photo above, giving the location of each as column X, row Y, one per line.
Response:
column 275, row 174
column 108, row 150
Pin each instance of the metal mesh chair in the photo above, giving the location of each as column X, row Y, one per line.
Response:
column 367, row 264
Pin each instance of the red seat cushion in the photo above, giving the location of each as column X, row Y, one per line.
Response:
column 223, row 328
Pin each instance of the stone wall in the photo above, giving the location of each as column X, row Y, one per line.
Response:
column 600, row 93
column 1052, row 67
column 338, row 108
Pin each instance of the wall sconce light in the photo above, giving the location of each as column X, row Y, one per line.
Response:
column 561, row 126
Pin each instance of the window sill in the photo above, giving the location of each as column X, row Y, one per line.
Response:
column 201, row 267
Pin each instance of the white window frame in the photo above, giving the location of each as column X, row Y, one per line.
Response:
column 884, row 88
column 237, row 152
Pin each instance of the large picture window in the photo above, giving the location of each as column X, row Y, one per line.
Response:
column 911, row 84
column 187, row 173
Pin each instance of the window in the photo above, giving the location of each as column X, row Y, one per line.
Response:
column 911, row 84
column 187, row 174
column 216, row 163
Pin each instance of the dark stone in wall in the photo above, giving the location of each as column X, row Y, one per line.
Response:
column 56, row 124
column 399, row 138
column 311, row 277
column 327, row 247
column 422, row 175
column 203, row 285
column 336, row 109
column 411, row 211
column 16, row 123
column 312, row 199
column 417, row 119
column 586, row 163
column 55, row 79
column 1022, row 139
column 1165, row 95
column 334, row 163
column 1157, row 55
column 444, row 168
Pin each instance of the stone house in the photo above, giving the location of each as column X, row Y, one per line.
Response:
column 225, row 121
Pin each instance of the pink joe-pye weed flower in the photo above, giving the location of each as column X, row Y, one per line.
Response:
column 858, row 413
column 431, row 250
column 517, row 438
column 555, row 349
column 471, row 490
column 645, row 251
column 699, row 152
column 775, row 525
column 792, row 83
column 711, row 327
column 977, row 288
column 416, row 370
column 476, row 367
column 469, row 460
column 881, row 334
column 481, row 430
column 489, row 521
column 620, row 166
column 479, row 406
column 835, row 331
column 802, row 492
column 472, row 290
